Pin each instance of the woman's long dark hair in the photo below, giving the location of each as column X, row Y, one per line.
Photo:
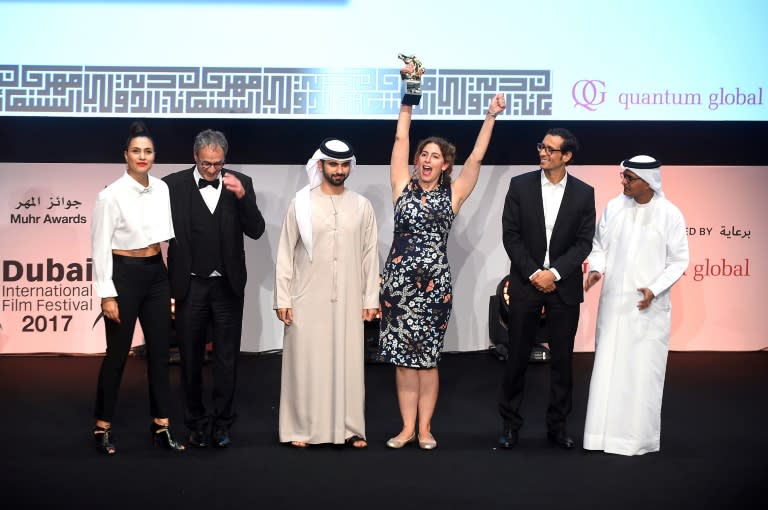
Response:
column 449, row 155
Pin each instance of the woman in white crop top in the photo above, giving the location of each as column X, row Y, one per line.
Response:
column 131, row 218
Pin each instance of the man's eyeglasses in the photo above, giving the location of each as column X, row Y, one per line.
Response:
column 205, row 165
column 549, row 150
column 628, row 178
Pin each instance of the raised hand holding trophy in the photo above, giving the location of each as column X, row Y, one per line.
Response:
column 411, row 76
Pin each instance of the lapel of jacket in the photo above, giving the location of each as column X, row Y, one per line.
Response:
column 565, row 204
column 188, row 191
column 226, row 206
column 536, row 192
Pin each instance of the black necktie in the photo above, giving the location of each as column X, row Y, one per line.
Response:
column 202, row 183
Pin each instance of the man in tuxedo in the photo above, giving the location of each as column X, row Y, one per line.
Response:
column 548, row 224
column 212, row 208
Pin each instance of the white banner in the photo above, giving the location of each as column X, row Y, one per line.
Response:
column 47, row 303
column 615, row 60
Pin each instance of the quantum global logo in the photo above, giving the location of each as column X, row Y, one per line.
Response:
column 588, row 94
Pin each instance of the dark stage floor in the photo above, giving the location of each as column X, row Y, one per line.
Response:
column 714, row 445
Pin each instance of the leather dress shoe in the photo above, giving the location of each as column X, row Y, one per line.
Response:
column 561, row 439
column 508, row 438
column 198, row 439
column 221, row 438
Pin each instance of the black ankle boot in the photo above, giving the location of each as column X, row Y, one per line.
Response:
column 103, row 438
column 161, row 435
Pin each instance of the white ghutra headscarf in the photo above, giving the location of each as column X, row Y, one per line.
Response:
column 648, row 169
column 330, row 149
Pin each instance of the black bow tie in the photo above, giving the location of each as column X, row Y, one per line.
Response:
column 202, row 183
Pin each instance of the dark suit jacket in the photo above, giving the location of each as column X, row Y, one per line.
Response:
column 238, row 217
column 525, row 238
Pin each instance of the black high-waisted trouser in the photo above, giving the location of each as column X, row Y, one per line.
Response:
column 143, row 293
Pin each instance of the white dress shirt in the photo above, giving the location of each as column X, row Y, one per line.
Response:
column 209, row 193
column 551, row 197
column 127, row 216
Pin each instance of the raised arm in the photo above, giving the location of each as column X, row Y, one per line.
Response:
column 465, row 182
column 399, row 173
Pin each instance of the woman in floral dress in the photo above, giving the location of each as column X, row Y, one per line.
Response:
column 416, row 294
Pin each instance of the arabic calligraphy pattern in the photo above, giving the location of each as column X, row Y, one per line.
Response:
column 262, row 91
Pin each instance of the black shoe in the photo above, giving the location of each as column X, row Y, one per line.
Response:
column 508, row 438
column 561, row 439
column 221, row 438
column 198, row 439
column 161, row 434
column 103, row 437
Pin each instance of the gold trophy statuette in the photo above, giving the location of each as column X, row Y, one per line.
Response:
column 411, row 76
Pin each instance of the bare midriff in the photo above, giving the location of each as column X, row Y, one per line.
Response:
column 149, row 251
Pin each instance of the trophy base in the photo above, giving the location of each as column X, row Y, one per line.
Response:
column 411, row 99
column 411, row 92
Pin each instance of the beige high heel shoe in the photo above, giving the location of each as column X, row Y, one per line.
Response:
column 396, row 443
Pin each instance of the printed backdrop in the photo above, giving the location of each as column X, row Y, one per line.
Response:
column 47, row 304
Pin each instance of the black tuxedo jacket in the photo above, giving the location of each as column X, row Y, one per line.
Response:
column 525, row 238
column 238, row 217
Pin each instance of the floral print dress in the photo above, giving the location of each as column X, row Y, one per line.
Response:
column 416, row 293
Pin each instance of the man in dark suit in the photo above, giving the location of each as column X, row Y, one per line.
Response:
column 212, row 209
column 548, row 224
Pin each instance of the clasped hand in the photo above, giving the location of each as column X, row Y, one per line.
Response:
column 544, row 281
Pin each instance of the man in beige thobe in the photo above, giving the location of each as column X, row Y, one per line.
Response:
column 326, row 285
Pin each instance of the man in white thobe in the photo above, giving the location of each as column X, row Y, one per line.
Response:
column 641, row 247
column 326, row 285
